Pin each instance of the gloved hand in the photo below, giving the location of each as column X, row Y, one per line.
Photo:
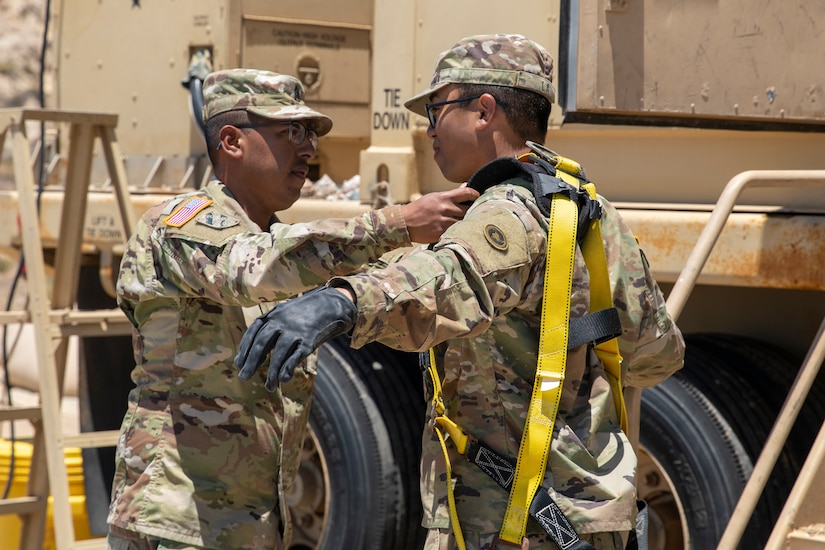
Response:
column 293, row 330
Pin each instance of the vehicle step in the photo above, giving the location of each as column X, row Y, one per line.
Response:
column 809, row 537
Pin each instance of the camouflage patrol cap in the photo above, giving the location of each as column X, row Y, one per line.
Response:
column 493, row 59
column 270, row 95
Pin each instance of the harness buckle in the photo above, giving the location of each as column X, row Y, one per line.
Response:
column 460, row 439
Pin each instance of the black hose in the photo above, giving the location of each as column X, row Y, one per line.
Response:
column 196, row 96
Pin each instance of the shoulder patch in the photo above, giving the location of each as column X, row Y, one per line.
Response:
column 187, row 210
column 496, row 238
column 217, row 220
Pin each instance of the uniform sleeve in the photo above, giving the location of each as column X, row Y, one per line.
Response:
column 659, row 349
column 651, row 345
column 240, row 267
column 478, row 270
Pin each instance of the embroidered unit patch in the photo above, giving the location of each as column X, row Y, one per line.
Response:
column 495, row 237
column 217, row 220
column 187, row 211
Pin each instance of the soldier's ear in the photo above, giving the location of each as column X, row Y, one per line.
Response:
column 487, row 106
column 231, row 140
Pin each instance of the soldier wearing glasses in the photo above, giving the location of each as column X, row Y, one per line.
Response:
column 202, row 456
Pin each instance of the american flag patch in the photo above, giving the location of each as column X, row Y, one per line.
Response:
column 187, row 211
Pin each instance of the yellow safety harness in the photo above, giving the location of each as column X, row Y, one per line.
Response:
column 525, row 481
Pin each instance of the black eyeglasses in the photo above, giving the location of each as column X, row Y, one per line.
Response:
column 297, row 132
column 432, row 108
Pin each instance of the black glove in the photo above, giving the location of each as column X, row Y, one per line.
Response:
column 293, row 330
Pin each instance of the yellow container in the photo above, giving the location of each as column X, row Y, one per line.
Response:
column 10, row 524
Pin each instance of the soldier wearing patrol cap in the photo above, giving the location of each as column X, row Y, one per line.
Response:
column 475, row 299
column 203, row 457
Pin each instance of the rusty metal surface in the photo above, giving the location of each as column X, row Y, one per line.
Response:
column 754, row 250
column 807, row 538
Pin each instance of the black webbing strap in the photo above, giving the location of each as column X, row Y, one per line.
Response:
column 543, row 509
column 594, row 328
column 540, row 179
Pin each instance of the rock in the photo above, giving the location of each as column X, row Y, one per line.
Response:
column 21, row 37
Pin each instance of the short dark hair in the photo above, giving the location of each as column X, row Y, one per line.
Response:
column 237, row 117
column 526, row 111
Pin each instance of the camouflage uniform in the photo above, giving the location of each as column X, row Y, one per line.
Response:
column 479, row 302
column 199, row 451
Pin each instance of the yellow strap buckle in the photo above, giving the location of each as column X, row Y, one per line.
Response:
column 460, row 439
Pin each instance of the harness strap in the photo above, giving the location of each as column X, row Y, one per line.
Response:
column 601, row 298
column 594, row 328
column 457, row 533
column 552, row 361
column 558, row 333
column 443, row 424
column 542, row 507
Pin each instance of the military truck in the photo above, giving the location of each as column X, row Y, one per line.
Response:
column 662, row 102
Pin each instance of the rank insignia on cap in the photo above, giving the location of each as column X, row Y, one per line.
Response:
column 187, row 211
column 495, row 237
column 217, row 220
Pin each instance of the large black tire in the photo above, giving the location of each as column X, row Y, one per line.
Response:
column 366, row 420
column 358, row 469
column 394, row 381
column 703, row 466
column 703, row 429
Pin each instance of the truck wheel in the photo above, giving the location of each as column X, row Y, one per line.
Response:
column 394, row 381
column 350, row 492
column 762, row 375
column 703, row 429
column 691, row 467
column 748, row 381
